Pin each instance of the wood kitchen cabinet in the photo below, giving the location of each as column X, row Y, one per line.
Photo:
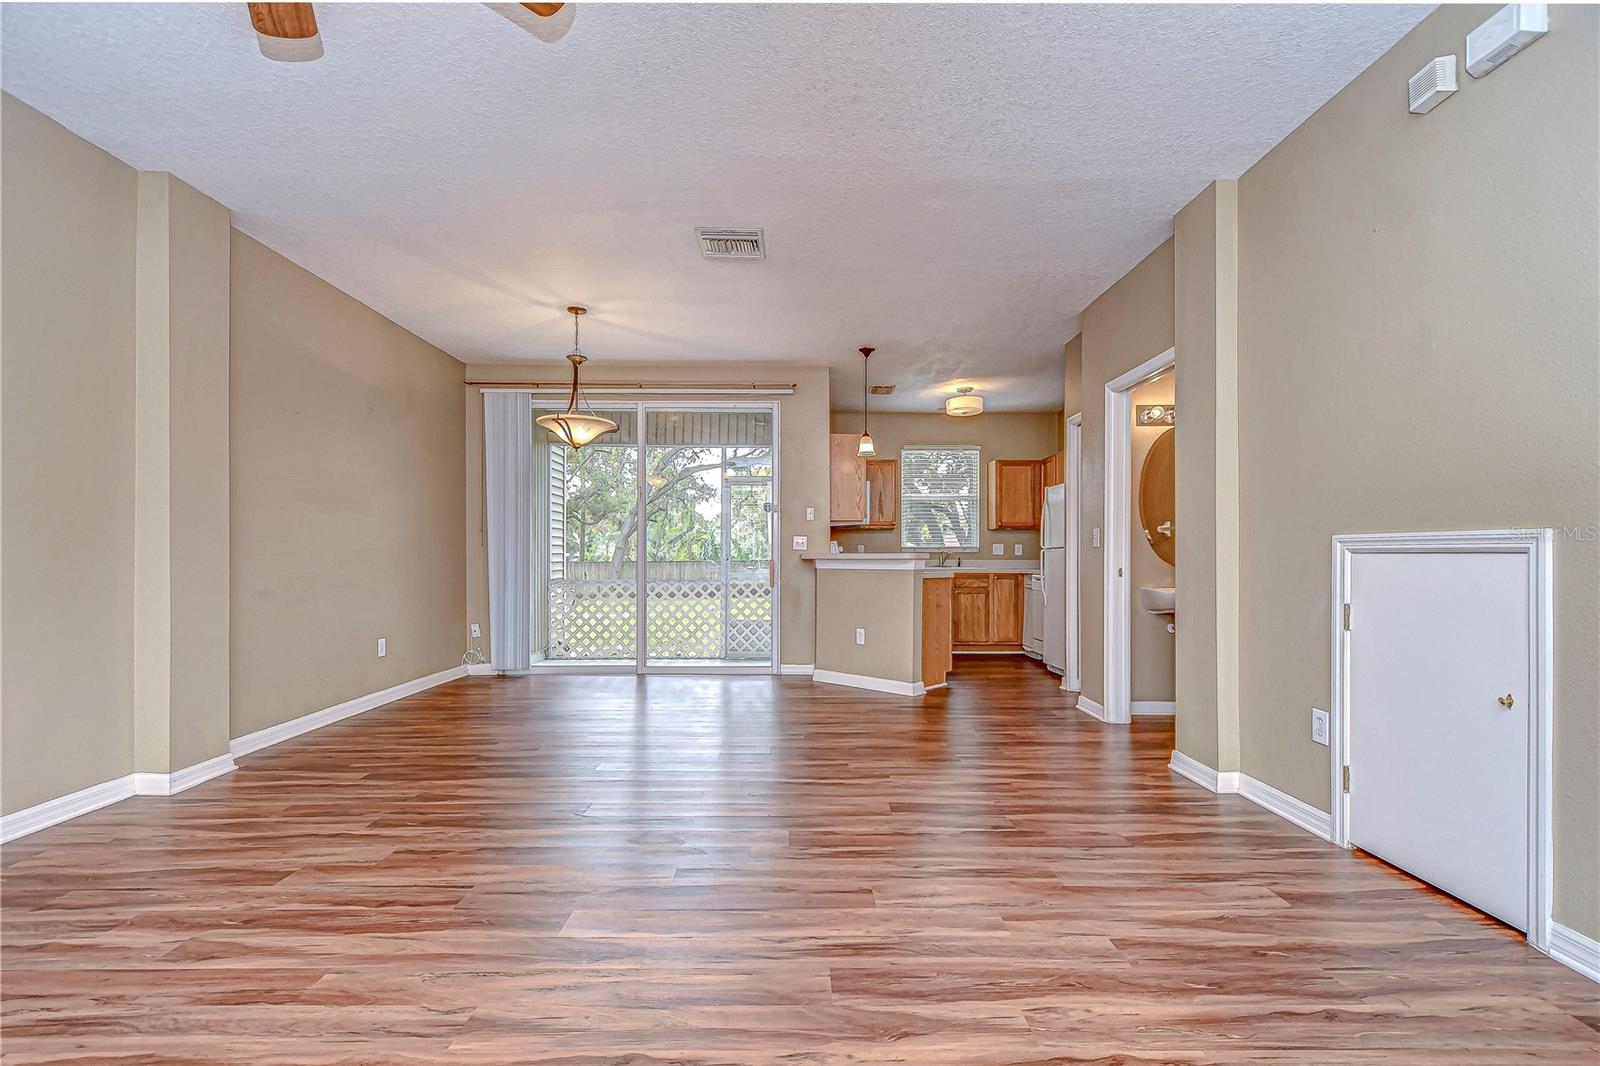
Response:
column 986, row 614
column 1053, row 469
column 1005, row 608
column 847, row 480
column 970, row 609
column 883, row 494
column 937, row 601
column 1016, row 493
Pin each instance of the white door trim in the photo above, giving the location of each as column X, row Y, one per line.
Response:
column 1118, row 609
column 1535, row 543
column 1072, row 675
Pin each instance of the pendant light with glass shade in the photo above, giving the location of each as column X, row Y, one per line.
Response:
column 577, row 427
column 865, row 447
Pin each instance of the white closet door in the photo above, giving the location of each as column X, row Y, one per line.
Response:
column 1439, row 763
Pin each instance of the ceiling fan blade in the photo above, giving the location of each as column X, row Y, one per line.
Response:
column 286, row 32
column 548, row 22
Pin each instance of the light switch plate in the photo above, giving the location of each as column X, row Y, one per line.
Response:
column 383, row 646
column 1016, row 549
column 477, row 630
column 861, row 636
column 1094, row 538
column 800, row 544
column 1319, row 726
column 811, row 514
column 997, row 549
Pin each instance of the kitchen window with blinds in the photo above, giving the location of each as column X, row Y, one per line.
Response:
column 939, row 498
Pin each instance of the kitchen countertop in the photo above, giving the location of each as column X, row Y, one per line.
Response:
column 923, row 561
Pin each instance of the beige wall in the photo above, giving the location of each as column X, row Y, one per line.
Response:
column 1126, row 325
column 1418, row 350
column 1018, row 435
column 180, row 566
column 1150, row 645
column 802, row 473
column 888, row 605
column 1073, row 394
column 347, row 511
column 66, row 421
column 1206, row 302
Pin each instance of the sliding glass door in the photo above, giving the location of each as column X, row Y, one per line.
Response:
column 586, row 547
column 653, row 549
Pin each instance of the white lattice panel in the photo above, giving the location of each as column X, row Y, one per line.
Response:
column 683, row 620
column 594, row 619
column 749, row 620
column 591, row 620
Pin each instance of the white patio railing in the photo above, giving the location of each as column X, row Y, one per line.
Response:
column 705, row 618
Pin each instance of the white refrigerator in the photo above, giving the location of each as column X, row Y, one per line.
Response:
column 1053, row 566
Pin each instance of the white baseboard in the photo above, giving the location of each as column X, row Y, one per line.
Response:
column 1232, row 782
column 1575, row 951
column 797, row 669
column 1153, row 708
column 481, row 670
column 62, row 808
column 65, row 808
column 1090, row 707
column 1297, row 812
column 277, row 734
column 1194, row 770
column 148, row 784
column 874, row 684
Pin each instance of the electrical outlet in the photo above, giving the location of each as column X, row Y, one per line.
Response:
column 997, row 549
column 1319, row 726
column 477, row 631
column 383, row 646
column 800, row 543
column 861, row 636
column 1016, row 549
column 811, row 514
column 1094, row 538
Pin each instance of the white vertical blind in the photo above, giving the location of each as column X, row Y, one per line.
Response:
column 508, row 499
column 939, row 498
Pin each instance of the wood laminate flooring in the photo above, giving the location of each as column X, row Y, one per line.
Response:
column 744, row 870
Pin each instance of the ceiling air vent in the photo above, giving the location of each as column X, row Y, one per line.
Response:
column 731, row 243
column 882, row 390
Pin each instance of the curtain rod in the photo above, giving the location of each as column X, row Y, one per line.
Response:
column 625, row 387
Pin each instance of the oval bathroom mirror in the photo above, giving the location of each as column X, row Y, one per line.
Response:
column 1157, row 488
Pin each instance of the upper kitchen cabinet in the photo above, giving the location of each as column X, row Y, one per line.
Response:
column 883, row 494
column 1015, row 493
column 847, row 480
column 1053, row 469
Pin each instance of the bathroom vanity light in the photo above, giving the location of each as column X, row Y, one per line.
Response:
column 964, row 404
column 1155, row 414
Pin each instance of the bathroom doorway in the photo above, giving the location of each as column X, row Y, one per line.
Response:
column 1120, row 530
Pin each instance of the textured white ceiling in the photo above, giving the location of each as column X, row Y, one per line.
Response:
column 952, row 184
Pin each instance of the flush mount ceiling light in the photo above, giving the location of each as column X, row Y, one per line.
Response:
column 864, row 446
column 1155, row 414
column 576, row 427
column 964, row 404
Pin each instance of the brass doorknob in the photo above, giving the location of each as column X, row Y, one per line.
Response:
column 1506, row 700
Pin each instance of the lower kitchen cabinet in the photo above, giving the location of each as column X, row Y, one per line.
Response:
column 987, row 611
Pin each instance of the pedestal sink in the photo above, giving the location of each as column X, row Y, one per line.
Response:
column 1159, row 601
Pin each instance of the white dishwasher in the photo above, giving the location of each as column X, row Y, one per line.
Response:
column 1033, row 617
